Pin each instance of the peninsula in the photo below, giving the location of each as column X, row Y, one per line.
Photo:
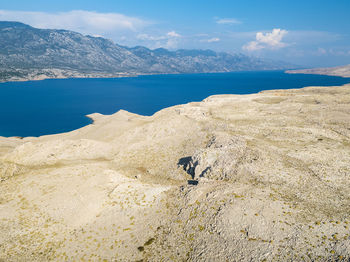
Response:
column 257, row 177
column 343, row 71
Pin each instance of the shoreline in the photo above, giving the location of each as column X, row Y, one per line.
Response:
column 291, row 72
column 95, row 117
column 340, row 71
column 151, row 187
column 121, row 75
column 301, row 71
column 63, row 77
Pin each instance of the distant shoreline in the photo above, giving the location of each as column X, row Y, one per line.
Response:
column 62, row 74
column 341, row 71
column 304, row 72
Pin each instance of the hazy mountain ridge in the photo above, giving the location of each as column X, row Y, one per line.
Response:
column 26, row 52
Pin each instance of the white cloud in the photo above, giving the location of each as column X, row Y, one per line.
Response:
column 170, row 44
column 229, row 21
column 150, row 37
column 211, row 40
column 271, row 40
column 173, row 34
column 86, row 22
column 169, row 40
column 252, row 46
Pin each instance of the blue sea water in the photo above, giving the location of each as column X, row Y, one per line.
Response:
column 37, row 108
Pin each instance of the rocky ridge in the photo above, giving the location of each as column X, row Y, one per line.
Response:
column 28, row 53
column 261, row 177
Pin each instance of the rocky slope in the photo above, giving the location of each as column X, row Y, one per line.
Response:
column 343, row 71
column 31, row 53
column 261, row 177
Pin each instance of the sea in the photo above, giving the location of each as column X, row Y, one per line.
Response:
column 36, row 108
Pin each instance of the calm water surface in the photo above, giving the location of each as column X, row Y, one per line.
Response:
column 53, row 106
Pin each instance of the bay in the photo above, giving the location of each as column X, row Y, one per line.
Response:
column 36, row 108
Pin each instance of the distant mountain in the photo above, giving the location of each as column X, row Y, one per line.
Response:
column 343, row 71
column 31, row 53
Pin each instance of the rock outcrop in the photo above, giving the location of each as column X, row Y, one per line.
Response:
column 256, row 177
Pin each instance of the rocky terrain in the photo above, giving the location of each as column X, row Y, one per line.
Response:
column 261, row 177
column 28, row 53
column 41, row 74
column 343, row 71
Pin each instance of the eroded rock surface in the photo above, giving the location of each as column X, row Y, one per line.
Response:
column 257, row 177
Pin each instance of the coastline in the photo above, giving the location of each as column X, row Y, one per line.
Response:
column 91, row 119
column 75, row 75
column 341, row 71
column 96, row 117
column 61, row 74
column 270, row 171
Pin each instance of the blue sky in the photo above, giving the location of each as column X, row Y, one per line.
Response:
column 307, row 33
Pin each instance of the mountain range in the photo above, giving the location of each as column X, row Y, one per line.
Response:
column 28, row 53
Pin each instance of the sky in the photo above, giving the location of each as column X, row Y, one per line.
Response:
column 307, row 33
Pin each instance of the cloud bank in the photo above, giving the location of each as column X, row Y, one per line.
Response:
column 169, row 40
column 119, row 27
column 86, row 22
column 271, row 40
